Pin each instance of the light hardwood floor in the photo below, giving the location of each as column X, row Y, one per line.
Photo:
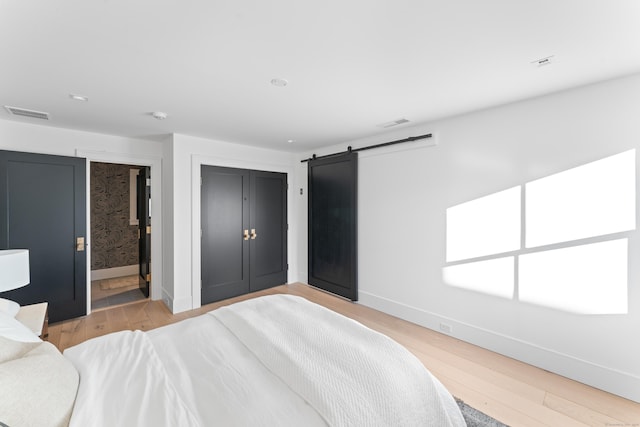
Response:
column 510, row 391
column 115, row 291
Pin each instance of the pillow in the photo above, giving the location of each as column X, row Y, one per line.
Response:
column 13, row 329
column 37, row 389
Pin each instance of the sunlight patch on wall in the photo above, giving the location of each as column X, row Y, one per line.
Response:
column 586, row 279
column 493, row 277
column 565, row 250
column 591, row 200
column 485, row 226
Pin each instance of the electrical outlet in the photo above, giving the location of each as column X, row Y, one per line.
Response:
column 445, row 328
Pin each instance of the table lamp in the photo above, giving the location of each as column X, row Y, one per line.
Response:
column 14, row 273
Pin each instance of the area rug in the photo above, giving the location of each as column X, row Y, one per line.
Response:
column 475, row 418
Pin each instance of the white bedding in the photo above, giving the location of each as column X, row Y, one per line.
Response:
column 273, row 361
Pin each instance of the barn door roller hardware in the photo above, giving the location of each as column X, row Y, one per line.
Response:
column 384, row 144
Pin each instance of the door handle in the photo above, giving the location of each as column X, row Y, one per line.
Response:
column 79, row 244
column 253, row 234
column 245, row 235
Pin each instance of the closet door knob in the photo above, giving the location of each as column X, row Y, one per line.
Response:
column 253, row 234
column 245, row 235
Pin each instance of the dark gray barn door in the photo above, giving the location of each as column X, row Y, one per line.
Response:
column 333, row 224
column 43, row 209
column 244, row 231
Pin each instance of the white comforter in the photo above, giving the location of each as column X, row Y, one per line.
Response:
column 273, row 361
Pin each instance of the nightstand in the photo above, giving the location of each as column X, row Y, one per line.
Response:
column 36, row 318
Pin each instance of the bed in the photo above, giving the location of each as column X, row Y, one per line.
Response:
column 277, row 360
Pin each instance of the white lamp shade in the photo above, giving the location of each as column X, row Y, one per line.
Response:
column 14, row 269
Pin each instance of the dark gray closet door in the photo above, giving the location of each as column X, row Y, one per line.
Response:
column 333, row 224
column 244, row 231
column 225, row 233
column 268, row 250
column 43, row 209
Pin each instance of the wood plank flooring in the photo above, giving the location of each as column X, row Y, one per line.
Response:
column 510, row 391
column 115, row 291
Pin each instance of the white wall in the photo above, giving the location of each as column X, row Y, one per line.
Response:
column 186, row 155
column 27, row 137
column 168, row 271
column 404, row 192
column 175, row 171
column 34, row 138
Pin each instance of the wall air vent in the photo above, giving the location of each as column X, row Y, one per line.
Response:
column 393, row 123
column 27, row 113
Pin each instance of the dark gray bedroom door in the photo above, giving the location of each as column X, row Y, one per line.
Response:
column 268, row 230
column 333, row 224
column 43, row 209
column 244, row 231
column 144, row 229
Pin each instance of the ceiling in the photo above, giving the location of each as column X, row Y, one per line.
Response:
column 351, row 65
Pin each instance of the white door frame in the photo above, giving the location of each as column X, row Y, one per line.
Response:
column 155, row 164
column 197, row 161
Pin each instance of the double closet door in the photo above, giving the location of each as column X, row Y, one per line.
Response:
column 244, row 231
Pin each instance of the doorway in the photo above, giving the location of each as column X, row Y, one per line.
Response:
column 115, row 201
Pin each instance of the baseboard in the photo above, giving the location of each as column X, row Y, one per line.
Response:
column 608, row 379
column 167, row 300
column 303, row 277
column 109, row 273
column 176, row 305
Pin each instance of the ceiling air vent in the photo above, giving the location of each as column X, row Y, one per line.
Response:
column 547, row 60
column 27, row 113
column 393, row 123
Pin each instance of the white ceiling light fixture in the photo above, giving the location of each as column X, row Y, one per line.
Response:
column 291, row 141
column 279, row 82
column 159, row 115
column 80, row 98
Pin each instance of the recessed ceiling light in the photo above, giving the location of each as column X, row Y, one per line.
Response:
column 291, row 141
column 397, row 122
column 78, row 97
column 159, row 115
column 279, row 82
